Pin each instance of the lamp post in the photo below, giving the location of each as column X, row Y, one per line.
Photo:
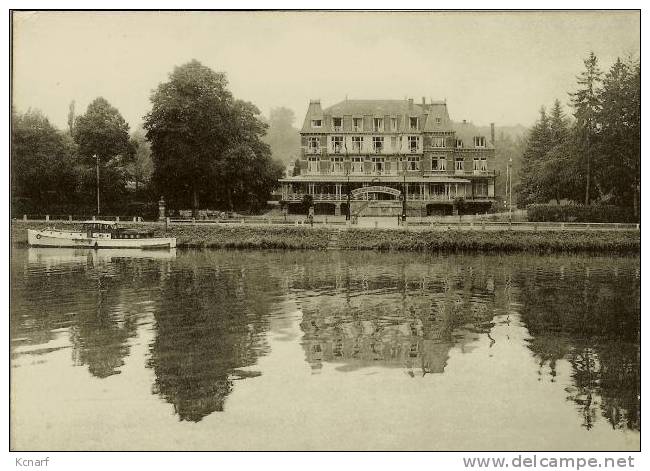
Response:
column 510, row 192
column 348, row 215
column 97, row 168
column 404, row 194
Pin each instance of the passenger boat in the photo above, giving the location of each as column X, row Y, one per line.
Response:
column 99, row 235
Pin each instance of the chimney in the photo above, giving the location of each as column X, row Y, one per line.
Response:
column 492, row 133
column 423, row 101
column 410, row 103
column 464, row 121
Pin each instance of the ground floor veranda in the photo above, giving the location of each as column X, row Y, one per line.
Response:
column 385, row 197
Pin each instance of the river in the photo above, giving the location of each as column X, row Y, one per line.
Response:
column 259, row 350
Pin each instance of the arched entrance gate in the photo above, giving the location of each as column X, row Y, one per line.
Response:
column 371, row 192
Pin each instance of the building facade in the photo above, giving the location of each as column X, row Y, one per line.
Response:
column 376, row 153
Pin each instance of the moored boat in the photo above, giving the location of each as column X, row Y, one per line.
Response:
column 99, row 235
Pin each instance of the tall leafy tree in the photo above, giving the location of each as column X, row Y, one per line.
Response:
column 207, row 146
column 102, row 136
column 102, row 131
column 42, row 163
column 586, row 104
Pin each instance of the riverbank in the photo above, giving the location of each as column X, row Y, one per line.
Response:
column 344, row 238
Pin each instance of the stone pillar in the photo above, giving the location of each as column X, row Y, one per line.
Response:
column 337, row 209
column 161, row 209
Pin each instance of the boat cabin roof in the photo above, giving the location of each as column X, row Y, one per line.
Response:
column 108, row 223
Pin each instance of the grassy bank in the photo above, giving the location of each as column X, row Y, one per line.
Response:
column 303, row 237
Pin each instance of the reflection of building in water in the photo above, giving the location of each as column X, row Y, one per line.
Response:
column 210, row 324
column 394, row 316
column 578, row 316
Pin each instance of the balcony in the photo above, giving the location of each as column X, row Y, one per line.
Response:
column 313, row 150
column 338, row 128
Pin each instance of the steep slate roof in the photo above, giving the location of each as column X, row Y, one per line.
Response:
column 372, row 107
column 466, row 133
column 427, row 113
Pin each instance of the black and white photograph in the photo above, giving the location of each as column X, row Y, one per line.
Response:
column 319, row 230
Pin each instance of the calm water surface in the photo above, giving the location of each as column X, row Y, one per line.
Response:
column 311, row 350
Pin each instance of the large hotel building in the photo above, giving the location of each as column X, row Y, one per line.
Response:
column 374, row 153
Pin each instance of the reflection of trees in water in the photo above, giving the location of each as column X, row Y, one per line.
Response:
column 591, row 317
column 98, row 303
column 210, row 323
column 396, row 316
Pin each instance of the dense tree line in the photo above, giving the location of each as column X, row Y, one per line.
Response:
column 199, row 147
column 593, row 156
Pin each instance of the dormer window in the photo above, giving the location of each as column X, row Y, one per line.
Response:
column 378, row 124
column 459, row 144
column 393, row 124
column 316, row 123
column 438, row 142
column 438, row 120
column 413, row 123
column 357, row 124
column 337, row 123
column 479, row 141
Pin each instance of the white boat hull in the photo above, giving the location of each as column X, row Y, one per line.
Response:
column 52, row 238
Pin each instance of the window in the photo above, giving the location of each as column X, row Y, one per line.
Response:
column 460, row 165
column 393, row 124
column 480, row 189
column 438, row 142
column 336, row 164
column 434, row 164
column 413, row 163
column 357, row 143
column 438, row 120
column 413, row 143
column 378, row 164
column 378, row 124
column 413, row 123
column 316, row 123
column 378, row 143
column 312, row 165
column 459, row 144
column 313, row 145
column 476, row 164
column 393, row 143
column 483, row 167
column 337, row 144
column 357, row 164
column 357, row 124
column 479, row 141
column 442, row 164
column 337, row 123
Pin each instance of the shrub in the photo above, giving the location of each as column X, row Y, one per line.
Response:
column 579, row 213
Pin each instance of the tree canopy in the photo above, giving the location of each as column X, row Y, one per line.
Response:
column 102, row 131
column 42, row 162
column 207, row 146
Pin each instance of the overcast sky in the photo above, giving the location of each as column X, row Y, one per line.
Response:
column 489, row 66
